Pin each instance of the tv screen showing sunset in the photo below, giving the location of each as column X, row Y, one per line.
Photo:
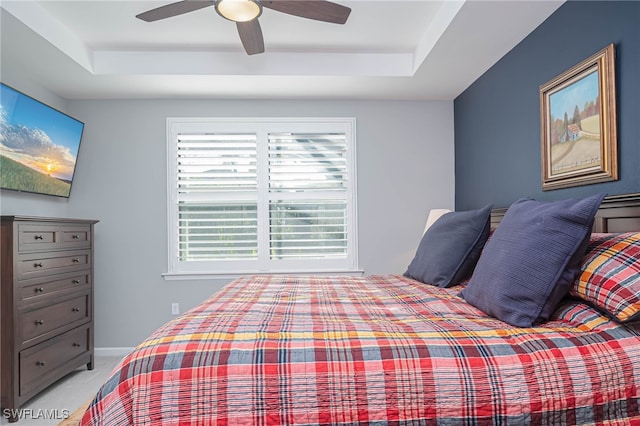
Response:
column 38, row 145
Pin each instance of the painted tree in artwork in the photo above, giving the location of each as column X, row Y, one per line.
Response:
column 576, row 117
column 588, row 109
column 565, row 128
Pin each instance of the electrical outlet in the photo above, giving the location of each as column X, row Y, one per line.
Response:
column 175, row 308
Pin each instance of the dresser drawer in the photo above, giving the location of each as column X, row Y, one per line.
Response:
column 49, row 318
column 36, row 237
column 75, row 236
column 39, row 264
column 39, row 237
column 39, row 289
column 40, row 362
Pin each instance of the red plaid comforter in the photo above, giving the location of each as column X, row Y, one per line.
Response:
column 371, row 350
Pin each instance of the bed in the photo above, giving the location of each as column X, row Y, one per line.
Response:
column 389, row 349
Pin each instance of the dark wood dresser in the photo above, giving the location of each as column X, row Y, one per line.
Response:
column 46, row 303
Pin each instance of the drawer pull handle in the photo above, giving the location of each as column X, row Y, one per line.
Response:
column 37, row 265
column 40, row 363
column 76, row 237
column 75, row 260
column 76, row 281
column 76, row 344
column 39, row 289
column 74, row 309
column 38, row 237
column 39, row 322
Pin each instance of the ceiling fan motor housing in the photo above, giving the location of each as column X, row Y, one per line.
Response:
column 239, row 10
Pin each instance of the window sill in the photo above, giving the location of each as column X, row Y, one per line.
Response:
column 175, row 276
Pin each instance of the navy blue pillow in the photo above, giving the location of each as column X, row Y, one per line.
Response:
column 531, row 260
column 450, row 248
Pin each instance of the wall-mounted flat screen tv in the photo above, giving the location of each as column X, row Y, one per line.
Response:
column 38, row 145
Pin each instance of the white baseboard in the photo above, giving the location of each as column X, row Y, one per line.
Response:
column 112, row 351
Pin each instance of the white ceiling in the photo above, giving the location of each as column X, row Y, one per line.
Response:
column 419, row 49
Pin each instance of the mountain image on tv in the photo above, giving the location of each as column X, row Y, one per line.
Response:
column 38, row 145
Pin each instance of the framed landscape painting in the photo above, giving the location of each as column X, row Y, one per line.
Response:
column 578, row 120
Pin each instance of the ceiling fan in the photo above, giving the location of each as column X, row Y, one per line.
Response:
column 245, row 14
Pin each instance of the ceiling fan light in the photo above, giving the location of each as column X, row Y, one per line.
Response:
column 239, row 10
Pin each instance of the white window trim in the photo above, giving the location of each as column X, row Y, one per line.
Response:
column 178, row 125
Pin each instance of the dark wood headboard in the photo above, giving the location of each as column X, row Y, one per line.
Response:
column 617, row 213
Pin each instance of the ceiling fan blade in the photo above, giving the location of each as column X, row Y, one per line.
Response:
column 318, row 10
column 251, row 36
column 173, row 9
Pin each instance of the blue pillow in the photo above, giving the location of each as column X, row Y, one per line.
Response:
column 450, row 248
column 531, row 260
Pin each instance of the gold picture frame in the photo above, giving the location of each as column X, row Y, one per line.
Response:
column 578, row 124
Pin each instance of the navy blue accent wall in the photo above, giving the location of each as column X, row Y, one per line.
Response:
column 497, row 119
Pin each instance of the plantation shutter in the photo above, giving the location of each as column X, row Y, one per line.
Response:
column 307, row 196
column 217, row 197
column 262, row 199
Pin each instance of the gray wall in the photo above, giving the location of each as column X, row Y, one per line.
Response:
column 497, row 119
column 405, row 166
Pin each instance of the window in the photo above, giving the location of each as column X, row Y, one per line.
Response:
column 261, row 196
